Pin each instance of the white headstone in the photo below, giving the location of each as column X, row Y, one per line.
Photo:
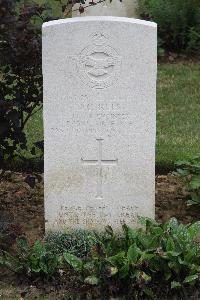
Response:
column 125, row 8
column 99, row 121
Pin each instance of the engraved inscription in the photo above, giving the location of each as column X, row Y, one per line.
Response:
column 101, row 118
column 91, row 216
column 99, row 64
column 99, row 163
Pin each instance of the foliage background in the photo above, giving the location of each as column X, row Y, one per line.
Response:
column 178, row 23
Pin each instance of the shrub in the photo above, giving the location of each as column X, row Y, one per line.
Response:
column 20, row 97
column 21, row 75
column 178, row 23
column 20, row 71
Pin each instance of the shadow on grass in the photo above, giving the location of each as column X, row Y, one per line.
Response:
column 25, row 165
column 37, row 165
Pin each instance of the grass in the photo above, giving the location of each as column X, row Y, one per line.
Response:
column 178, row 114
column 34, row 131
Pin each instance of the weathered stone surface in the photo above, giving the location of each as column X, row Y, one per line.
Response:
column 99, row 121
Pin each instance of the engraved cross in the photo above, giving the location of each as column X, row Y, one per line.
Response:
column 100, row 163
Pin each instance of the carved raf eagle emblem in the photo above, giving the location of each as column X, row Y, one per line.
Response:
column 99, row 64
column 99, row 67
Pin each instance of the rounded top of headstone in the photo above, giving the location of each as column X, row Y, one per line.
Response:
column 98, row 19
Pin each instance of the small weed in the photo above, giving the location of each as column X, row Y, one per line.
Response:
column 189, row 170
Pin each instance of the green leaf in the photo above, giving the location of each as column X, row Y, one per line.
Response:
column 133, row 253
column 181, row 261
column 170, row 244
column 130, row 233
column 39, row 248
column 153, row 241
column 146, row 240
column 175, row 285
column 43, row 267
column 117, row 259
column 182, row 172
column 191, row 279
column 147, row 222
column 146, row 256
column 124, row 271
column 173, row 266
column 195, row 182
column 89, row 266
column 148, row 292
column 158, row 231
column 195, row 199
column 172, row 224
column 173, row 253
column 92, row 280
column 197, row 156
column 181, row 162
column 197, row 166
column 73, row 261
column 194, row 230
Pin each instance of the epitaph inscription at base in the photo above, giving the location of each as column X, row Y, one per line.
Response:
column 99, row 121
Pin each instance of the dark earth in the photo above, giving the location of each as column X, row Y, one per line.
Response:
column 22, row 212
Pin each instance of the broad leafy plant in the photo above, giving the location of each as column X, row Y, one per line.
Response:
column 165, row 254
column 169, row 253
column 189, row 170
column 33, row 261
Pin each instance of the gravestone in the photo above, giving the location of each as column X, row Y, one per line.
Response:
column 99, row 121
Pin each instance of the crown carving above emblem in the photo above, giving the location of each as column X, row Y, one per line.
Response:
column 99, row 38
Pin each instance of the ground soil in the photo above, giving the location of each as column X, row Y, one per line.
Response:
column 22, row 206
column 22, row 212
